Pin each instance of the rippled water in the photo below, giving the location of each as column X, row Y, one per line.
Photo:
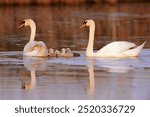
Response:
column 74, row 78
column 79, row 77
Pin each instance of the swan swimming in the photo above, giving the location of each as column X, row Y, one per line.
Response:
column 71, row 54
column 114, row 49
column 63, row 53
column 57, row 53
column 52, row 53
column 67, row 53
column 33, row 48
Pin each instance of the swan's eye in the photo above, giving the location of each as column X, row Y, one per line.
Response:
column 84, row 22
column 23, row 22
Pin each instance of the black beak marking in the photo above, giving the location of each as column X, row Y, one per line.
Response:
column 84, row 22
column 22, row 24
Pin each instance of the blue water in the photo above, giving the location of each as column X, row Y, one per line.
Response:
column 74, row 78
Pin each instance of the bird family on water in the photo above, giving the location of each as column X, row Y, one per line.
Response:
column 114, row 49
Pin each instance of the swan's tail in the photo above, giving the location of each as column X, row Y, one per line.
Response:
column 135, row 51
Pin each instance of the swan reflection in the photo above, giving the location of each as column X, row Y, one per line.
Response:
column 29, row 85
column 118, row 65
column 91, row 83
column 32, row 64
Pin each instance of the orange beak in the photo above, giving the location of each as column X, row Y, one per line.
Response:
column 22, row 25
column 82, row 26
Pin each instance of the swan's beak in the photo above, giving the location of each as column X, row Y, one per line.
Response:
column 22, row 25
column 82, row 26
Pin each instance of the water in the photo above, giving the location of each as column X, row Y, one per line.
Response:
column 79, row 77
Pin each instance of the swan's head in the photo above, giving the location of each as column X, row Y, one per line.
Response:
column 26, row 22
column 63, row 50
column 68, row 50
column 57, row 52
column 51, row 50
column 88, row 22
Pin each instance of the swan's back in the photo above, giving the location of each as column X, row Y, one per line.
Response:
column 116, row 47
column 35, row 48
column 120, row 49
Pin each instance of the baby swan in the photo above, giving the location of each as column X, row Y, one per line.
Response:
column 63, row 53
column 57, row 53
column 33, row 48
column 69, row 53
column 51, row 53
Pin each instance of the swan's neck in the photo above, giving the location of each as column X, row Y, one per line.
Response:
column 33, row 76
column 91, row 77
column 89, row 50
column 33, row 31
column 33, row 79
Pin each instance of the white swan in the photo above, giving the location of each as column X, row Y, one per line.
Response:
column 33, row 48
column 69, row 53
column 114, row 49
column 51, row 53
column 57, row 53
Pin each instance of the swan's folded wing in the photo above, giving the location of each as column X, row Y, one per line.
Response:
column 35, row 49
column 116, row 47
column 36, row 46
column 134, row 51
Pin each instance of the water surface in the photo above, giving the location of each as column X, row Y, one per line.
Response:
column 74, row 78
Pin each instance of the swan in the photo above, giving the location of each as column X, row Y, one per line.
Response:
column 66, row 53
column 63, row 53
column 69, row 53
column 57, row 53
column 33, row 48
column 114, row 49
column 51, row 53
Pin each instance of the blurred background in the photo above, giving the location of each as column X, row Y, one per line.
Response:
column 68, row 2
column 58, row 22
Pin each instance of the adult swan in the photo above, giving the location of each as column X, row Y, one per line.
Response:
column 33, row 48
column 114, row 49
